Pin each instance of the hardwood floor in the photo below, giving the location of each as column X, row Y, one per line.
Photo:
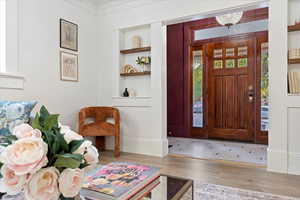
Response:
column 217, row 172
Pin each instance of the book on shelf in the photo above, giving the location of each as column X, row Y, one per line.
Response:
column 120, row 181
column 293, row 83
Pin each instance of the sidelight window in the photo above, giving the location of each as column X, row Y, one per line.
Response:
column 197, row 64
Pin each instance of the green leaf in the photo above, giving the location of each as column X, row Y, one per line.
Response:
column 36, row 123
column 50, row 137
column 78, row 157
column 62, row 142
column 68, row 161
column 75, row 144
column 55, row 146
column 50, row 122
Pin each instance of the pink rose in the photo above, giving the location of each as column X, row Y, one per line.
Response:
column 69, row 135
column 43, row 185
column 26, row 155
column 70, row 182
column 24, row 130
column 10, row 182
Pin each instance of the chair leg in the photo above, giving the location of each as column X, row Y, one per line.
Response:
column 100, row 143
column 117, row 145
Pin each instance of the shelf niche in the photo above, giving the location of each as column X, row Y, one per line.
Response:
column 139, row 81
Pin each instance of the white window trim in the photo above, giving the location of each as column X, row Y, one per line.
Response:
column 11, row 79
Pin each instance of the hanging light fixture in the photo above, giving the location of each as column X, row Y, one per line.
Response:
column 229, row 19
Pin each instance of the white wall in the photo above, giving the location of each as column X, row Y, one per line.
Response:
column 39, row 53
column 284, row 148
column 144, row 127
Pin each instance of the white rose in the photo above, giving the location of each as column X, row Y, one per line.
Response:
column 25, row 130
column 69, row 135
column 91, row 153
column 26, row 155
column 10, row 182
column 43, row 185
column 70, row 182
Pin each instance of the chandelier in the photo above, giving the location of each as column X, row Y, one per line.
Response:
column 229, row 19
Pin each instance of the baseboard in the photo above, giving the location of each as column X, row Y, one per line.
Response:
column 277, row 161
column 294, row 163
column 146, row 146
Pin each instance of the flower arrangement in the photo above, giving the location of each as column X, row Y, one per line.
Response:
column 144, row 60
column 44, row 160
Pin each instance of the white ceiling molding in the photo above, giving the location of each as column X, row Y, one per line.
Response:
column 88, row 5
column 106, row 7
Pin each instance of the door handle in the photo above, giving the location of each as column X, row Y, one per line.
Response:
column 251, row 94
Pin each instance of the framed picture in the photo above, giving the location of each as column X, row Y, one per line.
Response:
column 68, row 35
column 68, row 66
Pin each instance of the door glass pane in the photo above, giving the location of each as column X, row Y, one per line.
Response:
column 197, row 88
column 218, row 53
column 218, row 64
column 242, row 62
column 243, row 51
column 229, row 63
column 230, row 52
column 264, row 87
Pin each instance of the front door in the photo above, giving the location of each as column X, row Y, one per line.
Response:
column 231, row 89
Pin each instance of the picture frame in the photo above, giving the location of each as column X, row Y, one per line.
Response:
column 68, row 35
column 68, row 66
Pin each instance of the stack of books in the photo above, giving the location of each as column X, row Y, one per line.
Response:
column 120, row 181
column 293, row 83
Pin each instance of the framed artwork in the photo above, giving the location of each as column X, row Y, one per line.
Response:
column 68, row 35
column 68, row 66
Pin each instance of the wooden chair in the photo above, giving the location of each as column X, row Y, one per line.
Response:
column 100, row 127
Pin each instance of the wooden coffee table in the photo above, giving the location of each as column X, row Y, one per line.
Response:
column 169, row 188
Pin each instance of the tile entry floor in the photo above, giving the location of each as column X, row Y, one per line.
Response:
column 219, row 150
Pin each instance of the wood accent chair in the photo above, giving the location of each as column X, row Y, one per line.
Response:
column 100, row 127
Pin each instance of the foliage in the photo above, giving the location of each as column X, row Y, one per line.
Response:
column 144, row 60
column 60, row 154
column 197, row 83
column 265, row 77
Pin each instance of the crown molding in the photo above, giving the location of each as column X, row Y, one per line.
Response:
column 116, row 5
column 88, row 5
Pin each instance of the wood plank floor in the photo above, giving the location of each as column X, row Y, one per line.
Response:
column 217, row 172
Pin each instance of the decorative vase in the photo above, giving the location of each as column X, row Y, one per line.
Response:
column 126, row 93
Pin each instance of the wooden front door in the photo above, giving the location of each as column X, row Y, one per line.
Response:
column 231, row 89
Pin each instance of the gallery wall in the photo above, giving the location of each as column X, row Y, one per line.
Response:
column 39, row 54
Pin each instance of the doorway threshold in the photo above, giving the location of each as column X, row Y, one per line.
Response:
column 219, row 150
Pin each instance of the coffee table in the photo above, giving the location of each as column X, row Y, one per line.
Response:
column 169, row 188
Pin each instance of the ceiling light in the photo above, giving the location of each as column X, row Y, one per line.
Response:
column 229, row 19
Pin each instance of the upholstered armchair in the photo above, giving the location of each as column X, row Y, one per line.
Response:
column 100, row 127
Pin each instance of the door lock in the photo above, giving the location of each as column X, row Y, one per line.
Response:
column 251, row 93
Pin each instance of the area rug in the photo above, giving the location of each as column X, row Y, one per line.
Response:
column 219, row 150
column 205, row 191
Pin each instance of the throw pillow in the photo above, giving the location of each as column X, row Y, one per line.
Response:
column 14, row 113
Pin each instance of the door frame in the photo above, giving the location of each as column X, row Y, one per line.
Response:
column 260, row 37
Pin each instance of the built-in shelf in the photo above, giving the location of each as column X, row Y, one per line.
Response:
column 136, row 73
column 132, row 101
column 294, row 61
column 136, row 50
column 289, row 94
column 293, row 28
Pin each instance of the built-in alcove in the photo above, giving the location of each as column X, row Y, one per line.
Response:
column 138, row 81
